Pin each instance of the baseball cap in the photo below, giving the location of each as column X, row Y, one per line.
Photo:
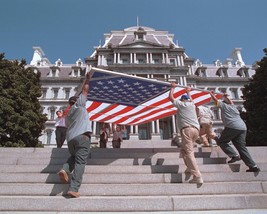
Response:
column 73, row 99
column 185, row 97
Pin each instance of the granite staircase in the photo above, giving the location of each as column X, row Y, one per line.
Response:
column 149, row 179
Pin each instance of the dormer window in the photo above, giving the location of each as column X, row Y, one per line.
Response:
column 222, row 72
column 54, row 71
column 58, row 62
column 140, row 34
column 79, row 63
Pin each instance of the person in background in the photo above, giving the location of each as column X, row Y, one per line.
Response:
column 205, row 118
column 103, row 138
column 189, row 130
column 235, row 130
column 61, row 129
column 78, row 138
column 117, row 137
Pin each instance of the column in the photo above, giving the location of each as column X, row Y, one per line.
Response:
column 156, row 134
column 119, row 58
column 185, row 82
column 134, row 134
column 167, row 58
column 93, row 137
column 153, row 127
column 99, row 60
column 181, row 80
column 163, row 58
column 174, row 124
column 115, row 58
column 135, row 58
column 182, row 61
column 178, row 60
column 131, row 58
column 151, row 58
column 147, row 58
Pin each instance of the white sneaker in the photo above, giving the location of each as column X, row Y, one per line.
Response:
column 196, row 180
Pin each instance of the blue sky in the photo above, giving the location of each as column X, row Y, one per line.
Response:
column 70, row 29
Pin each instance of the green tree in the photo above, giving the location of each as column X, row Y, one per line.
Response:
column 21, row 120
column 255, row 96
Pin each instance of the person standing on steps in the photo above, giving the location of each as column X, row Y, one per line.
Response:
column 78, row 138
column 61, row 129
column 117, row 136
column 103, row 138
column 235, row 130
column 189, row 129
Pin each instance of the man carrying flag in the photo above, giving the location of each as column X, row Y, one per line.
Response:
column 78, row 138
column 189, row 129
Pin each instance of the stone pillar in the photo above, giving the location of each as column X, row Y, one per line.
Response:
column 119, row 58
column 156, row 134
column 99, row 60
column 178, row 60
column 163, row 58
column 131, row 58
column 115, row 58
column 134, row 135
column 93, row 137
column 147, row 58
column 151, row 58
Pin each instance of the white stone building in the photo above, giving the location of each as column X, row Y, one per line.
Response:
column 144, row 52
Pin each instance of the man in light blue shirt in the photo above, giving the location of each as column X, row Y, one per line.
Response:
column 78, row 138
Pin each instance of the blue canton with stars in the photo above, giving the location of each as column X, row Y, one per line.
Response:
column 123, row 89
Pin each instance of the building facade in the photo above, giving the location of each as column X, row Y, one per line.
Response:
column 144, row 52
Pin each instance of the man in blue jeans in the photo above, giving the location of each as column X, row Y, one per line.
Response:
column 235, row 130
column 79, row 129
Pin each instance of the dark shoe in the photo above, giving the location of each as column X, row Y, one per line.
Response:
column 187, row 171
column 73, row 194
column 253, row 169
column 234, row 159
column 63, row 176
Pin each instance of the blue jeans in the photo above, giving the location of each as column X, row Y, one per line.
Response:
column 79, row 148
column 238, row 138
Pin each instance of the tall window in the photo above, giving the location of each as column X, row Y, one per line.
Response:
column 67, row 93
column 172, row 61
column 44, row 92
column 55, row 91
column 109, row 61
column 52, row 112
column 141, row 61
column 234, row 93
column 49, row 135
column 53, row 73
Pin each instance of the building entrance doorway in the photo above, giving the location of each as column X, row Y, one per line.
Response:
column 144, row 132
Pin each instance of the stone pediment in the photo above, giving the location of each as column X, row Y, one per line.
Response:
column 141, row 44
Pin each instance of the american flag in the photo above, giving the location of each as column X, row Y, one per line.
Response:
column 130, row 100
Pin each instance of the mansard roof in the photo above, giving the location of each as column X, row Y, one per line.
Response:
column 128, row 36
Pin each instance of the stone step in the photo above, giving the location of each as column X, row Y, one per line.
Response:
column 132, row 169
column 131, row 180
column 258, row 153
column 37, row 189
column 134, row 178
column 133, row 203
column 108, row 161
